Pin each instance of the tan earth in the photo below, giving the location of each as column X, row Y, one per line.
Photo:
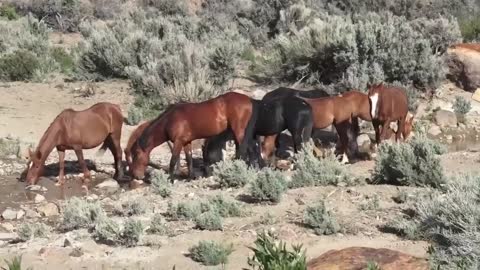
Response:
column 28, row 108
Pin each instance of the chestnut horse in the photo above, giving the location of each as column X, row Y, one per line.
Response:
column 186, row 122
column 78, row 130
column 389, row 104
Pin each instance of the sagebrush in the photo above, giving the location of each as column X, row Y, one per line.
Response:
column 160, row 183
column 79, row 213
column 268, row 186
column 320, row 220
column 28, row 231
column 210, row 253
column 233, row 173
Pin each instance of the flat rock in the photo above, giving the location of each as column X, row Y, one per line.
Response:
column 445, row 118
column 20, row 214
column 8, row 227
column 357, row 258
column 48, row 210
column 39, row 198
column 8, row 236
column 434, row 131
column 35, row 188
column 109, row 184
column 9, row 214
column 476, row 95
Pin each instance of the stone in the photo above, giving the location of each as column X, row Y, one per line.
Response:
column 445, row 118
column 190, row 195
column 258, row 94
column 110, row 184
column 48, row 210
column 8, row 236
column 39, row 198
column 9, row 214
column 434, row 131
column 92, row 197
column 67, row 243
column 8, row 227
column 20, row 214
column 463, row 61
column 76, row 252
column 36, row 188
column 29, row 213
column 354, row 258
column 449, row 138
column 476, row 95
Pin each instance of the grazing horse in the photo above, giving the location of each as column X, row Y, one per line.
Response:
column 78, row 130
column 285, row 92
column 186, row 122
column 389, row 104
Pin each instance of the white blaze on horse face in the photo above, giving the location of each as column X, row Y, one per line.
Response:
column 374, row 101
column 30, row 165
column 344, row 159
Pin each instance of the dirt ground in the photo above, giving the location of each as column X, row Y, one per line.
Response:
column 26, row 110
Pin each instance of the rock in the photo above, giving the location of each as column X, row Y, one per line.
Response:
column 48, row 210
column 463, row 61
column 39, row 198
column 29, row 213
column 35, row 188
column 76, row 252
column 354, row 258
column 445, row 118
column 8, row 236
column 8, row 227
column 476, row 95
column 67, row 243
column 20, row 214
column 434, row 131
column 258, row 94
column 449, row 138
column 92, row 198
column 110, row 184
column 9, row 214
column 2, row 172
column 190, row 195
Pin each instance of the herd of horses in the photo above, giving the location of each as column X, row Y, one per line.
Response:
column 254, row 126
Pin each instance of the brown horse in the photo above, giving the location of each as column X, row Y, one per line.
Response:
column 389, row 104
column 190, row 121
column 78, row 130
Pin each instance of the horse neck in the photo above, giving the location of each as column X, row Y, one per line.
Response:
column 49, row 140
column 157, row 136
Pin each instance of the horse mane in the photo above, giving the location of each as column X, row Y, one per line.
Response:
column 49, row 129
column 143, row 139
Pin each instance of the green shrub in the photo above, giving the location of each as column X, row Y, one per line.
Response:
column 210, row 220
column 268, row 255
column 226, row 208
column 450, row 221
column 461, row 106
column 183, row 211
column 312, row 171
column 192, row 210
column 210, row 253
column 133, row 207
column 157, row 225
column 414, row 163
column 372, row 203
column 373, row 266
column 169, row 7
column 268, row 186
column 18, row 66
column 135, row 116
column 132, row 232
column 322, row 221
column 9, row 147
column 9, row 12
column 233, row 173
column 64, row 60
column 160, row 183
column 107, row 231
column 470, row 27
column 28, row 231
column 79, row 213
column 15, row 264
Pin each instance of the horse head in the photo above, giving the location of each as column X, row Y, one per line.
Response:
column 139, row 163
column 374, row 92
column 34, row 166
column 408, row 124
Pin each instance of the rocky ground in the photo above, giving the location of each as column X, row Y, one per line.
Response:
column 362, row 210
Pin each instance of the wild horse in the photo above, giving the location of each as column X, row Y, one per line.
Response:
column 78, row 130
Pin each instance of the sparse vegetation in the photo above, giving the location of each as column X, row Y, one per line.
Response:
column 160, row 183
column 210, row 253
column 9, row 147
column 28, row 231
column 320, row 220
column 268, row 186
column 15, row 264
column 233, row 173
column 210, row 220
column 415, row 163
column 132, row 231
column 79, row 213
column 313, row 171
column 158, row 225
column 372, row 203
column 268, row 255
column 135, row 116
column 133, row 207
column 110, row 232
column 461, row 106
column 183, row 211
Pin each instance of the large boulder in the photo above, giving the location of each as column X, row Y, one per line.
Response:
column 445, row 118
column 357, row 258
column 464, row 65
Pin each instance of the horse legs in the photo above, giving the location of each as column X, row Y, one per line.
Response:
column 268, row 146
column 342, row 130
column 400, row 129
column 188, row 155
column 177, row 148
column 83, row 165
column 113, row 143
column 61, row 163
column 385, row 128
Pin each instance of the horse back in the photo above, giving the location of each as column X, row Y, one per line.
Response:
column 394, row 102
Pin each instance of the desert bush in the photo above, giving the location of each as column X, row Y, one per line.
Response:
column 135, row 115
column 470, row 28
column 210, row 253
column 312, row 171
column 160, row 183
column 110, row 232
column 461, row 106
column 233, row 173
column 132, row 232
column 191, row 210
column 372, row 203
column 15, row 264
column 9, row 12
column 9, row 147
column 168, row 7
column 226, row 208
column 210, row 220
column 64, row 59
column 269, row 255
column 415, row 163
column 320, row 220
column 79, row 213
column 28, row 231
column 183, row 211
column 158, row 225
column 269, row 185
column 18, row 66
column 450, row 221
column 133, row 207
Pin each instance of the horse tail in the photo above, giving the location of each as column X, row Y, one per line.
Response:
column 102, row 150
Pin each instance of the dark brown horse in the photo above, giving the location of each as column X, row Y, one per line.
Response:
column 78, row 130
column 389, row 104
column 186, row 122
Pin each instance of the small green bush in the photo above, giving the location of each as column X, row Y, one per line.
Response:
column 415, row 163
column 183, row 211
column 322, row 221
column 135, row 116
column 160, row 183
column 210, row 220
column 79, row 213
column 64, row 60
column 233, row 173
column 372, row 203
column 9, row 12
column 192, row 210
column 158, row 225
column 226, row 208
column 28, row 231
column 470, row 27
column 461, row 106
column 268, row 186
column 18, row 66
column 132, row 232
column 312, row 171
column 9, row 147
column 133, row 207
column 107, row 231
column 268, row 255
column 210, row 253
column 15, row 264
